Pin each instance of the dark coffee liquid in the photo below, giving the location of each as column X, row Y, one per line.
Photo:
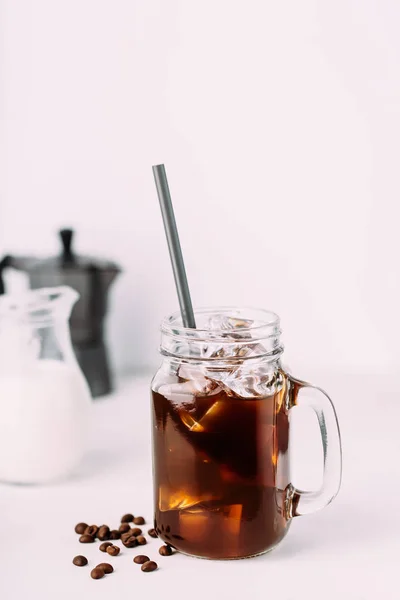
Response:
column 221, row 473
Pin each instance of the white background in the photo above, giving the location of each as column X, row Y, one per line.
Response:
column 279, row 124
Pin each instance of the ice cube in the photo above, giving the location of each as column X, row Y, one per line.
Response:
column 180, row 498
column 185, row 391
column 229, row 328
column 221, row 322
column 189, row 421
column 195, row 524
column 228, row 349
column 211, row 350
column 243, row 377
column 202, row 424
column 217, row 322
column 258, row 381
column 202, row 522
column 184, row 394
column 232, row 519
column 197, row 375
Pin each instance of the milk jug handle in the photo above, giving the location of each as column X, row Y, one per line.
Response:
column 5, row 262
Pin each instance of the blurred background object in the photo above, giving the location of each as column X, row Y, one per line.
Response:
column 91, row 278
column 44, row 398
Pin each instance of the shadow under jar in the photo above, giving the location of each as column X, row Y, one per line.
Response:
column 221, row 404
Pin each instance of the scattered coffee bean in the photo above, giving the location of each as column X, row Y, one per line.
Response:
column 165, row 550
column 91, row 530
column 139, row 521
column 149, row 566
column 80, row 528
column 124, row 528
column 141, row 540
column 128, row 518
column 125, row 536
column 80, row 561
column 130, row 542
column 136, row 531
column 97, row 573
column 115, row 534
column 152, row 533
column 86, row 539
column 113, row 550
column 107, row 568
column 103, row 547
column 103, row 533
column 140, row 559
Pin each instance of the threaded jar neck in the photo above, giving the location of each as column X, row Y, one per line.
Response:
column 224, row 335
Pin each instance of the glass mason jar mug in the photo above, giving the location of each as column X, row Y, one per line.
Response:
column 221, row 406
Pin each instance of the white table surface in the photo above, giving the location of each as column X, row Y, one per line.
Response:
column 350, row 550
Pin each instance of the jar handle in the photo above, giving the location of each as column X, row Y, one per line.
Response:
column 306, row 394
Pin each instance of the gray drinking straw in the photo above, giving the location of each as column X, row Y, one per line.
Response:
column 174, row 246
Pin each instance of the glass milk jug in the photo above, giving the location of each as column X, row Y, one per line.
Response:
column 44, row 398
column 221, row 435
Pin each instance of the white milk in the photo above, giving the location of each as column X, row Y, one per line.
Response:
column 44, row 419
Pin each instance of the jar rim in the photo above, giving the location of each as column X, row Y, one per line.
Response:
column 246, row 334
column 261, row 319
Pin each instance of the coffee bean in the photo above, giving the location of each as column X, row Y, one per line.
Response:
column 136, row 531
column 165, row 550
column 107, row 568
column 139, row 521
column 115, row 534
column 152, row 533
column 125, row 536
column 80, row 561
column 97, row 573
column 128, row 518
column 86, row 539
column 124, row 528
column 141, row 540
column 130, row 542
column 92, row 530
column 140, row 559
column 103, row 547
column 149, row 566
column 103, row 533
column 113, row 550
column 80, row 528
